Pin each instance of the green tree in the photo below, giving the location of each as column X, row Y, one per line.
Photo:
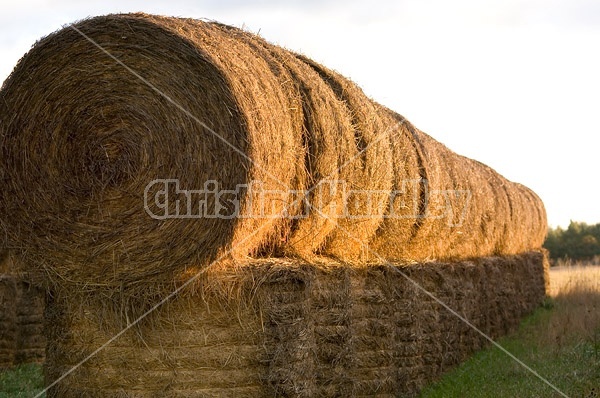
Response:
column 579, row 241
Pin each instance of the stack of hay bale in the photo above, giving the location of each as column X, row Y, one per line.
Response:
column 141, row 151
column 8, row 324
column 22, row 338
column 31, row 339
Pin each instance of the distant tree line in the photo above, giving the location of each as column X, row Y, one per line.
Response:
column 578, row 242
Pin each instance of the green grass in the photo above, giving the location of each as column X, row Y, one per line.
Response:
column 573, row 368
column 22, row 381
column 560, row 341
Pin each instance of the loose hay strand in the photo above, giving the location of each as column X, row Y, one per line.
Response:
column 214, row 103
column 372, row 330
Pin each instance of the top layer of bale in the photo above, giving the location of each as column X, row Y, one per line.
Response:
column 95, row 112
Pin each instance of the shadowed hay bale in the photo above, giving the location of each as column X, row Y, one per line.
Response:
column 8, row 324
column 103, row 136
column 283, row 327
column 31, row 341
column 22, row 337
column 5, row 263
column 82, row 137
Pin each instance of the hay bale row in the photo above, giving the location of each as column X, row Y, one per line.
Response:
column 22, row 338
column 281, row 327
column 79, row 151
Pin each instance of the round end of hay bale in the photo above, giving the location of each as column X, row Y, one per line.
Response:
column 97, row 121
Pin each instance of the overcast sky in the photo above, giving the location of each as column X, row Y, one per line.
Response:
column 514, row 84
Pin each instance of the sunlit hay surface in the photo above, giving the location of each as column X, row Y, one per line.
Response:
column 81, row 138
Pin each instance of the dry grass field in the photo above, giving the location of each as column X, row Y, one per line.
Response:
column 576, row 293
column 560, row 341
column 569, row 279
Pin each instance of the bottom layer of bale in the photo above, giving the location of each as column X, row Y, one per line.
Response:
column 31, row 341
column 22, row 337
column 283, row 327
column 8, row 320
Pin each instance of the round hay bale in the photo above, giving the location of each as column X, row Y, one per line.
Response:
column 403, row 216
column 464, row 208
column 100, row 137
column 369, row 169
column 496, row 222
column 326, row 139
column 140, row 148
column 536, row 229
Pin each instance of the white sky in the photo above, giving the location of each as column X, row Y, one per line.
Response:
column 514, row 84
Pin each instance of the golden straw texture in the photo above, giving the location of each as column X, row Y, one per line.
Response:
column 304, row 163
column 283, row 327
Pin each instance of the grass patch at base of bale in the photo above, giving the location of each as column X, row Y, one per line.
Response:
column 26, row 380
column 560, row 341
